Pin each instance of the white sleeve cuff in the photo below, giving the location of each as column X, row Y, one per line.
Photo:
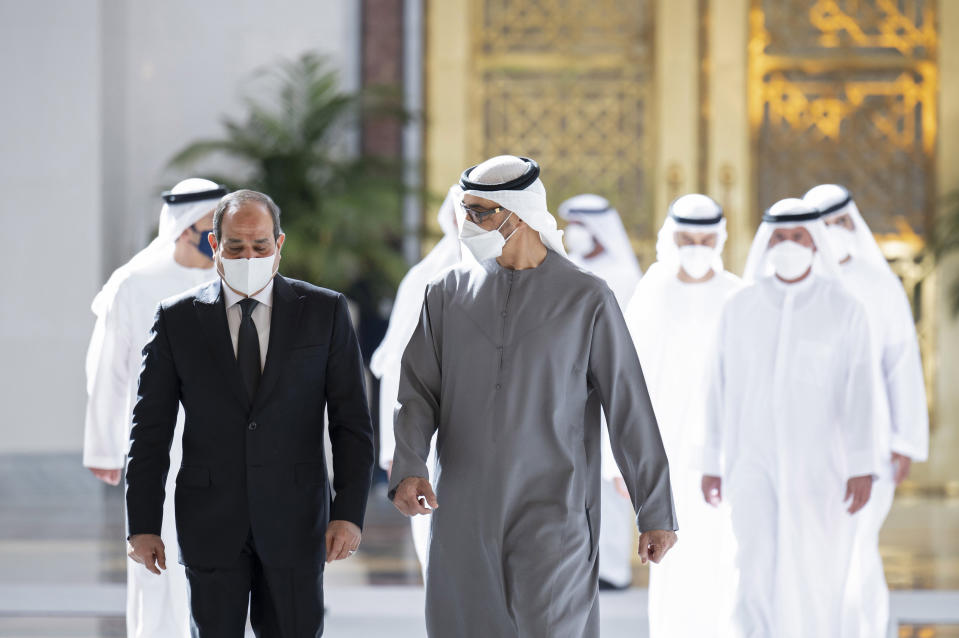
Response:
column 862, row 464
column 916, row 453
column 102, row 462
column 711, row 462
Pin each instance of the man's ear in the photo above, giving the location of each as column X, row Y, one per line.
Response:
column 279, row 241
column 212, row 239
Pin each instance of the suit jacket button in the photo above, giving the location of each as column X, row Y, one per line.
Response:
column 252, row 425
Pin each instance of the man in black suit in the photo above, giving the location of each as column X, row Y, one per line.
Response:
column 254, row 358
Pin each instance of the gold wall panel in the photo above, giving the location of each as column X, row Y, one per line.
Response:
column 569, row 83
column 571, row 27
column 867, row 27
column 860, row 129
column 845, row 91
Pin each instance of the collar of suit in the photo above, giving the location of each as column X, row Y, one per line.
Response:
column 231, row 297
column 210, row 304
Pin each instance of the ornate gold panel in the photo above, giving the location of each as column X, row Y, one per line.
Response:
column 569, row 83
column 581, row 27
column 845, row 91
column 864, row 133
column 866, row 27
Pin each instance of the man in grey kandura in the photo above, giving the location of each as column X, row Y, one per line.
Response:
column 515, row 354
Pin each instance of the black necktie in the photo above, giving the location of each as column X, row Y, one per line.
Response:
column 248, row 348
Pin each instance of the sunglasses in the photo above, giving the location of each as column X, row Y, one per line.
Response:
column 479, row 215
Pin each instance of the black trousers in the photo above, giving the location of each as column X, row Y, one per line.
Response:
column 283, row 603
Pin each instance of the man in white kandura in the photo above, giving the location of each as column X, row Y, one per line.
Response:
column 597, row 241
column 178, row 259
column 903, row 411
column 791, row 441
column 673, row 318
column 385, row 363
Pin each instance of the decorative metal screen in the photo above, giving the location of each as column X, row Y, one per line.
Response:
column 845, row 91
column 569, row 83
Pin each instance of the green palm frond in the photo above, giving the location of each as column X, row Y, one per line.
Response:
column 342, row 214
column 201, row 149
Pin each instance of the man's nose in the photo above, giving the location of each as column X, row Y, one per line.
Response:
column 251, row 253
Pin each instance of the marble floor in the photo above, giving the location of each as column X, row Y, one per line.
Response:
column 62, row 566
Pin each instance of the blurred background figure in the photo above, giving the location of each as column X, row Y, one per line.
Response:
column 791, row 440
column 673, row 318
column 596, row 241
column 902, row 413
column 178, row 259
column 385, row 363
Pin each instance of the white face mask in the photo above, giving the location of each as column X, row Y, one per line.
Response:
column 484, row 244
column 840, row 239
column 790, row 260
column 578, row 240
column 697, row 260
column 248, row 276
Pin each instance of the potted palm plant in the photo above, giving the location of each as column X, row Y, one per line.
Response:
column 341, row 211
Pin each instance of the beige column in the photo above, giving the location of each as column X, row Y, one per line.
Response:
column 730, row 166
column 448, row 73
column 677, row 101
column 945, row 437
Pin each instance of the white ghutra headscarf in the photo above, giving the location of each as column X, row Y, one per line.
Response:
column 791, row 212
column 693, row 213
column 184, row 205
column 513, row 183
column 593, row 220
column 604, row 223
column 833, row 200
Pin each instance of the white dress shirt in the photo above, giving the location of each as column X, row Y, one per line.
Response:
column 261, row 317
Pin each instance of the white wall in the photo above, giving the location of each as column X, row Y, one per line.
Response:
column 50, row 212
column 179, row 66
column 97, row 95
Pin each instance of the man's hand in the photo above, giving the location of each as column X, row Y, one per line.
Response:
column 654, row 544
column 712, row 490
column 902, row 464
column 148, row 550
column 413, row 494
column 342, row 539
column 858, row 488
column 110, row 477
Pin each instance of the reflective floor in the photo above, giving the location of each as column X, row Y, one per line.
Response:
column 62, row 566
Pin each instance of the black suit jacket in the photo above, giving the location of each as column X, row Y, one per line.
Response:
column 251, row 463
